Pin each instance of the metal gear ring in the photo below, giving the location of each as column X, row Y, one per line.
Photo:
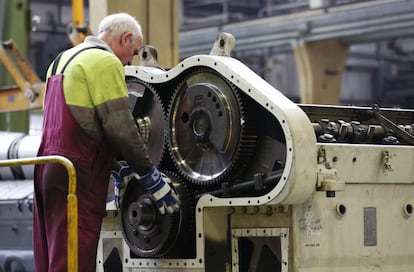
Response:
column 148, row 111
column 207, row 127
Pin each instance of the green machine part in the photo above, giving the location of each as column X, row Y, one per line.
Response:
column 15, row 24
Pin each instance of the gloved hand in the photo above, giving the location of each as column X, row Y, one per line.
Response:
column 121, row 179
column 158, row 184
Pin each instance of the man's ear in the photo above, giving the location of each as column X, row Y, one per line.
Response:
column 126, row 38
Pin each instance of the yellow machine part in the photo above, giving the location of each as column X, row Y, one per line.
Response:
column 77, row 30
column 29, row 91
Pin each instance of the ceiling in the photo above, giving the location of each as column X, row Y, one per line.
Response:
column 205, row 13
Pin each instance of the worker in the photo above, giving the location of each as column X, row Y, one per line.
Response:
column 87, row 119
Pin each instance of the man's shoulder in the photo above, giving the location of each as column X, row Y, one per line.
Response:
column 96, row 50
column 92, row 57
column 94, row 41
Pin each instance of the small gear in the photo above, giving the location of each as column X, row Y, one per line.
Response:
column 150, row 234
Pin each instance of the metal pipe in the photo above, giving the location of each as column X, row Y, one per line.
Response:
column 72, row 205
column 77, row 13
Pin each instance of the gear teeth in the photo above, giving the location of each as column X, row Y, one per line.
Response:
column 157, row 149
column 150, row 235
column 247, row 134
column 183, row 245
column 248, row 141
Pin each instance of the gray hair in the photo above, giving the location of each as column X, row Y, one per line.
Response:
column 119, row 23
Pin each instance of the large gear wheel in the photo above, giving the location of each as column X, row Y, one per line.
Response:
column 149, row 114
column 150, row 234
column 209, row 137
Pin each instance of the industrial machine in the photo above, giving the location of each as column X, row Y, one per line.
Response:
column 264, row 184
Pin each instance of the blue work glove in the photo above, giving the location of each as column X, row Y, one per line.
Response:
column 121, row 179
column 158, row 184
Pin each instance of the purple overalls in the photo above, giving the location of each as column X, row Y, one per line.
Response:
column 92, row 159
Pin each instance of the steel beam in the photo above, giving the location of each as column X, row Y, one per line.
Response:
column 360, row 22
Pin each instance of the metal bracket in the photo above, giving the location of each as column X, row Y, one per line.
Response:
column 225, row 42
column 327, row 180
column 148, row 56
column 321, row 155
column 386, row 162
column 28, row 93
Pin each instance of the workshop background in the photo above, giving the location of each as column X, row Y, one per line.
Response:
column 377, row 37
column 328, row 52
column 314, row 51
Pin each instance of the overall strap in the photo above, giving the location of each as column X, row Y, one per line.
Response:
column 56, row 62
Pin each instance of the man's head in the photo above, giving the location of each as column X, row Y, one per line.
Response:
column 123, row 34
